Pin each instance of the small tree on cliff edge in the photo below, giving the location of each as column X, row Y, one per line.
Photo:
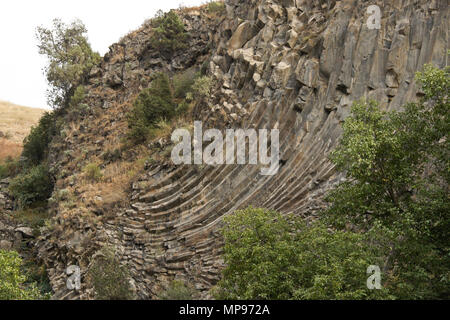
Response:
column 70, row 59
column 169, row 33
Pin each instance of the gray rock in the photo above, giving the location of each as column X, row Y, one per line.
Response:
column 25, row 231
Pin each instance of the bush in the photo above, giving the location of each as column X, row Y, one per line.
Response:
column 183, row 83
column 269, row 256
column 13, row 281
column 169, row 34
column 151, row 106
column 216, row 7
column 36, row 144
column 178, row 290
column 70, row 59
column 9, row 168
column 201, row 88
column 93, row 172
column 109, row 278
column 31, row 186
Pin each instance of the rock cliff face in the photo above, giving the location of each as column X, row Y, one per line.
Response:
column 293, row 65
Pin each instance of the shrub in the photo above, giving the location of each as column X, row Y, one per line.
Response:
column 169, row 34
column 9, row 168
column 151, row 106
column 182, row 108
column 13, row 281
column 93, row 172
column 216, row 7
column 269, row 256
column 201, row 88
column 70, row 59
column 36, row 144
column 178, row 290
column 183, row 83
column 109, row 278
column 31, row 186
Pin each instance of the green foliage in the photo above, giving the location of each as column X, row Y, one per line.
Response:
column 201, row 88
column 178, row 290
column 216, row 7
column 34, row 218
column 70, row 59
column 182, row 83
column 77, row 97
column 109, row 278
column 93, row 172
column 151, row 106
column 77, row 108
column 169, row 34
column 36, row 144
column 9, row 168
column 269, row 256
column 31, row 186
column 12, row 280
column 397, row 164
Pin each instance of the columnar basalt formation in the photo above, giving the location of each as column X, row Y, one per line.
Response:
column 296, row 66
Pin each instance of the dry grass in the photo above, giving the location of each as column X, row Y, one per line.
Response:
column 15, row 124
column 9, row 149
column 17, row 120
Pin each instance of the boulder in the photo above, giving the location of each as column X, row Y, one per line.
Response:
column 25, row 231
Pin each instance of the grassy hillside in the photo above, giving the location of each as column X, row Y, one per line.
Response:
column 15, row 124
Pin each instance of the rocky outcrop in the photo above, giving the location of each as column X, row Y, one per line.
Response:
column 293, row 65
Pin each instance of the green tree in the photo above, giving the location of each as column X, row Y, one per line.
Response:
column 36, row 144
column 109, row 278
column 32, row 186
column 397, row 164
column 201, row 88
column 271, row 256
column 169, row 34
column 70, row 59
column 12, row 281
column 153, row 104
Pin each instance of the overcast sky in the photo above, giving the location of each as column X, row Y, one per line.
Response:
column 21, row 78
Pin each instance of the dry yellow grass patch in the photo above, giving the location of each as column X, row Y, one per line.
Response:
column 9, row 149
column 112, row 188
column 16, row 121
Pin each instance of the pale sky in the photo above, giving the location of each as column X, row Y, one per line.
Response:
column 21, row 79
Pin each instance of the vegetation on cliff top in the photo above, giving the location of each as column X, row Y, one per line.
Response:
column 70, row 59
column 164, row 100
column 169, row 34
